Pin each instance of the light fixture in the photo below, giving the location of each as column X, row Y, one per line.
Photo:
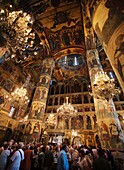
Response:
column 16, row 29
column 66, row 110
column 19, row 95
column 51, row 120
column 74, row 133
column 104, row 87
column 24, row 119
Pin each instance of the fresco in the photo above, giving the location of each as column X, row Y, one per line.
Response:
column 36, row 131
column 63, row 17
column 106, row 24
column 40, row 96
column 77, row 122
column 65, row 37
column 8, row 85
column 38, row 7
column 119, row 54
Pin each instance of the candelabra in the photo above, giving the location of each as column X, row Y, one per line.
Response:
column 104, row 87
column 51, row 120
column 66, row 110
column 19, row 95
column 74, row 133
column 16, row 29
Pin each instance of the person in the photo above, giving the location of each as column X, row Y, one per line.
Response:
column 62, row 159
column 55, row 157
column 17, row 157
column 48, row 158
column 4, row 157
column 41, row 157
column 101, row 163
column 28, row 154
column 83, row 161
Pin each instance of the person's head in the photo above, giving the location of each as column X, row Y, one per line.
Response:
column 81, row 153
column 6, row 146
column 43, row 149
column 47, row 147
column 20, row 145
column 100, row 152
column 13, row 147
column 65, row 148
column 57, row 149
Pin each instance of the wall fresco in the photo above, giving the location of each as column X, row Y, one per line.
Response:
column 109, row 27
column 37, row 110
column 109, row 127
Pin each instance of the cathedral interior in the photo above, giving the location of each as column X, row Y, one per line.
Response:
column 71, row 44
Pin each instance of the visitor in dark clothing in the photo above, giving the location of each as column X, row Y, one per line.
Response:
column 48, row 159
column 101, row 163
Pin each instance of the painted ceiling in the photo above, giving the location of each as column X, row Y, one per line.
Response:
column 59, row 32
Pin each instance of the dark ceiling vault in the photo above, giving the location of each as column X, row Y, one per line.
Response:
column 59, row 32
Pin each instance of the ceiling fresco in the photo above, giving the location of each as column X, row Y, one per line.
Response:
column 59, row 32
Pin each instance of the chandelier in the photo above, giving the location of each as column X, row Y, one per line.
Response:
column 74, row 133
column 104, row 87
column 51, row 120
column 24, row 119
column 16, row 29
column 19, row 95
column 66, row 110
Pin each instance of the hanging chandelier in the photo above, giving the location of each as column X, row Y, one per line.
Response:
column 19, row 95
column 104, row 87
column 66, row 110
column 51, row 120
column 16, row 29
column 74, row 133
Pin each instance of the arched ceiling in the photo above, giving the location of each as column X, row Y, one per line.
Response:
column 59, row 26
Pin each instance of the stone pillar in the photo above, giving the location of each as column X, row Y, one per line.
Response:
column 41, row 92
column 36, row 116
column 107, row 18
column 109, row 128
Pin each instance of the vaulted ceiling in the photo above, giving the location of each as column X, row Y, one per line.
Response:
column 59, row 32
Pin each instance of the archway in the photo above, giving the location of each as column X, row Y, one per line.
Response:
column 77, row 140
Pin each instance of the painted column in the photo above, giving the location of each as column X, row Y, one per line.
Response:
column 38, row 106
column 41, row 92
column 107, row 18
column 109, row 128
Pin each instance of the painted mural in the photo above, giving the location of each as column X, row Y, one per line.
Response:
column 110, row 21
column 66, row 37
column 109, row 127
column 8, row 85
column 77, row 122
column 63, row 17
column 109, row 28
column 40, row 96
column 119, row 54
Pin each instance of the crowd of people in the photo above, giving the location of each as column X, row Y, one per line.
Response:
column 36, row 156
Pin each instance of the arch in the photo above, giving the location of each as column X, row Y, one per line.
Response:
column 85, row 87
column 91, row 99
column 77, row 140
column 52, row 90
column 56, row 101
column 88, row 122
column 61, row 100
column 77, row 86
column 62, row 89
column 86, row 99
column 57, row 90
column 50, row 102
column 97, row 140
